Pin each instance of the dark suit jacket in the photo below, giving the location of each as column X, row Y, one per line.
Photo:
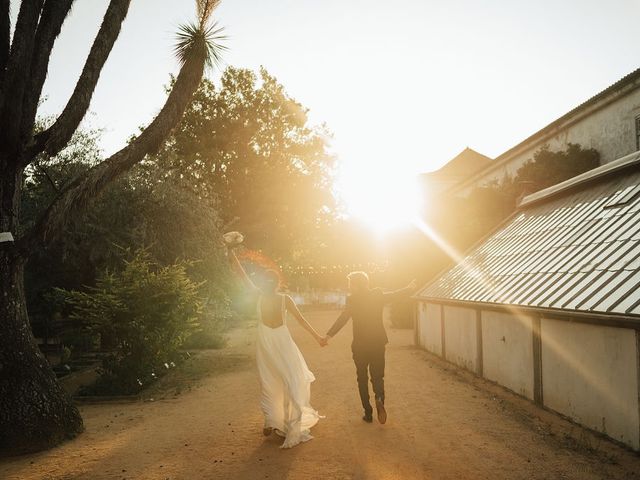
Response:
column 365, row 308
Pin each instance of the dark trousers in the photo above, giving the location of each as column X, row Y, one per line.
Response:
column 370, row 361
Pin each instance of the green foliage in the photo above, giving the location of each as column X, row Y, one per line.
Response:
column 487, row 206
column 217, row 315
column 47, row 176
column 243, row 150
column 143, row 313
column 550, row 168
column 70, row 262
column 249, row 144
column 207, row 39
column 142, row 209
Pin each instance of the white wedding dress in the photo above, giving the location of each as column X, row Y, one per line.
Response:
column 286, row 383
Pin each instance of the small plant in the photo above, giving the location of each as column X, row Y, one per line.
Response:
column 142, row 315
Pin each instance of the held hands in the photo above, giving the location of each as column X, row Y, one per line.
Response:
column 323, row 341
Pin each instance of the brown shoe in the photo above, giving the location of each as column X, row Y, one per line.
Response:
column 382, row 413
column 266, row 431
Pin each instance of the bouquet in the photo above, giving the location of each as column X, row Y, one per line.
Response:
column 232, row 239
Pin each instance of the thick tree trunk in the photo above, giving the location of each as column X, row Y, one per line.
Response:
column 35, row 412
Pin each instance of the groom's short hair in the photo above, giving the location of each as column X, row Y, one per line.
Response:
column 359, row 280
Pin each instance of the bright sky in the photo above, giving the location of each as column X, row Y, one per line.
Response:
column 408, row 83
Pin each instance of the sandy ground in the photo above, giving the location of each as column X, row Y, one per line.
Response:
column 443, row 424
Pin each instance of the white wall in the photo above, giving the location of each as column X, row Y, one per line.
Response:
column 460, row 337
column 430, row 327
column 589, row 373
column 610, row 130
column 507, row 351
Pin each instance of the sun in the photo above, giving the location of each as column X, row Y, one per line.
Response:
column 379, row 196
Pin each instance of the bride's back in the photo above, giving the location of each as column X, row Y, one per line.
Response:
column 271, row 308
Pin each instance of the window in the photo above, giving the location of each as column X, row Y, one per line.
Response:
column 623, row 197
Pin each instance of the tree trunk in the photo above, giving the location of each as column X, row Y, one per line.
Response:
column 35, row 412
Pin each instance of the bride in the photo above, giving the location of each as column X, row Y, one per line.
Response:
column 284, row 376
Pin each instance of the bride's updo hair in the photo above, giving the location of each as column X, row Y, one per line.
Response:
column 269, row 281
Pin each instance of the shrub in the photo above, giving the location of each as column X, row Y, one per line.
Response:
column 215, row 319
column 142, row 314
column 463, row 221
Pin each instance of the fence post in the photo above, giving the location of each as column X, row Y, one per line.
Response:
column 536, row 335
column 479, row 366
column 442, row 335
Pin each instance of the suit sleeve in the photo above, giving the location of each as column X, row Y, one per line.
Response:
column 341, row 321
column 397, row 295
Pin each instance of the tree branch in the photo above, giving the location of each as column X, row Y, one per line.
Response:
column 48, row 177
column 53, row 15
column 77, row 195
column 58, row 135
column 5, row 38
column 16, row 75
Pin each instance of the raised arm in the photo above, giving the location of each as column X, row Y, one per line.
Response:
column 236, row 266
column 293, row 309
column 399, row 294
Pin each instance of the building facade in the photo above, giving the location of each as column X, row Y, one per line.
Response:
column 608, row 122
column 548, row 305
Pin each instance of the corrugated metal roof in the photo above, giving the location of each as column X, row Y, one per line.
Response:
column 574, row 246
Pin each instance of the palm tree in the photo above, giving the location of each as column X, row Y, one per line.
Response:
column 35, row 413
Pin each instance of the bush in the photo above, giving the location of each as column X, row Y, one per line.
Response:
column 462, row 221
column 549, row 168
column 142, row 314
column 216, row 317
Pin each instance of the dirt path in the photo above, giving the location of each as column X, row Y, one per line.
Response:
column 443, row 424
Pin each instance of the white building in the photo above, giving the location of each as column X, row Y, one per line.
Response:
column 608, row 122
column 548, row 305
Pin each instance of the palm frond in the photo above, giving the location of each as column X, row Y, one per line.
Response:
column 193, row 39
column 205, row 8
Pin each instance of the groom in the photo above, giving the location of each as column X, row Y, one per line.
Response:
column 365, row 307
